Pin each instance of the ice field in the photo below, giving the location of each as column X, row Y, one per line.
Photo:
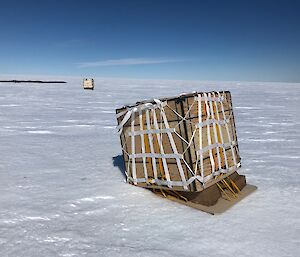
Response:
column 62, row 192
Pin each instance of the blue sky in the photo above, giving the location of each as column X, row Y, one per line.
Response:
column 198, row 40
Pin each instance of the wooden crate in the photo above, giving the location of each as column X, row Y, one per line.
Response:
column 184, row 143
column 88, row 84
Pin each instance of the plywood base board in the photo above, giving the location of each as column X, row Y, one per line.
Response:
column 221, row 206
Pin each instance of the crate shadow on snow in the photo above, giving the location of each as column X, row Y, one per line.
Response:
column 118, row 161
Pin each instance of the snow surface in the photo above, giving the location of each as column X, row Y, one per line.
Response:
column 62, row 192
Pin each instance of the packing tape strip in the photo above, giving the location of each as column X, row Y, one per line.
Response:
column 156, row 155
column 150, row 131
column 211, row 121
column 212, row 146
column 209, row 141
column 209, row 98
column 180, row 183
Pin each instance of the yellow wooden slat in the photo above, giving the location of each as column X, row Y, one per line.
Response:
column 230, row 189
column 179, row 195
column 163, row 193
column 157, row 150
column 223, row 191
column 234, row 185
column 219, row 137
column 147, row 148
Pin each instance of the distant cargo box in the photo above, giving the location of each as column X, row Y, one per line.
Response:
column 88, row 84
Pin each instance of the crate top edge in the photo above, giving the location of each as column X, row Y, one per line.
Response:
column 181, row 96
